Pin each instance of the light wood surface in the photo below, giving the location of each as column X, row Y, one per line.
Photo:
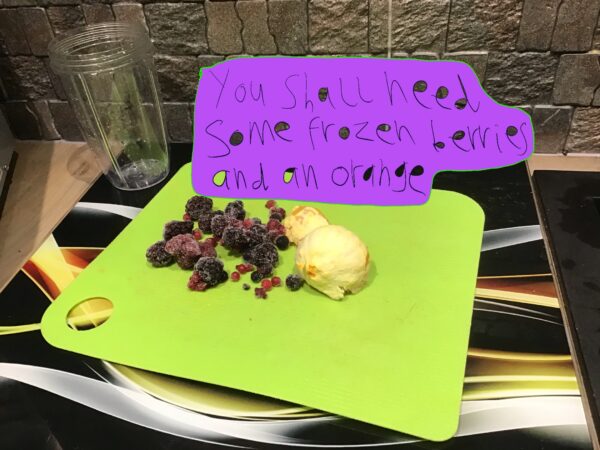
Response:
column 574, row 162
column 49, row 178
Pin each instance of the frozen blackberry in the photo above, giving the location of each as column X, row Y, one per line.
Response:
column 282, row 242
column 265, row 271
column 235, row 239
column 176, row 227
column 276, row 216
column 236, row 209
column 264, row 254
column 294, row 282
column 205, row 220
column 217, row 225
column 185, row 249
column 210, row 270
column 197, row 205
column 158, row 256
column 256, row 276
column 256, row 235
column 224, row 277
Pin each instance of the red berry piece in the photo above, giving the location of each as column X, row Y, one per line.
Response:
column 260, row 293
column 197, row 234
column 235, row 276
column 187, row 217
column 212, row 241
column 266, row 284
column 195, row 283
column 276, row 281
column 247, row 223
column 279, row 211
column 270, row 204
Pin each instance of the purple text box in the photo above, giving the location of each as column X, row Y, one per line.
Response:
column 346, row 130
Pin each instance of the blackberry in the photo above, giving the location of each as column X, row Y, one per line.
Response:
column 256, row 276
column 265, row 271
column 282, row 242
column 197, row 205
column 217, row 225
column 236, row 209
column 176, row 227
column 235, row 239
column 256, row 235
column 210, row 270
column 264, row 254
column 185, row 249
column 158, row 256
column 205, row 220
column 294, row 282
column 276, row 216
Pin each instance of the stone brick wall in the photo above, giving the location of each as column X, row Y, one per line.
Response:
column 543, row 55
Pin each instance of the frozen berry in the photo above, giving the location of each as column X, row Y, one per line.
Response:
column 265, row 270
column 185, row 249
column 256, row 276
column 218, row 224
column 244, row 268
column 235, row 276
column 207, row 249
column 212, row 241
column 210, row 270
column 197, row 234
column 260, row 293
column 276, row 216
column 205, row 220
column 247, row 223
column 158, row 256
column 266, row 284
column 246, row 286
column 282, row 242
column 235, row 239
column 187, row 217
column 279, row 211
column 176, row 227
column 270, row 204
column 197, row 205
column 195, row 283
column 236, row 209
column 294, row 282
column 224, row 277
column 276, row 281
column 264, row 254
column 256, row 235
column 256, row 221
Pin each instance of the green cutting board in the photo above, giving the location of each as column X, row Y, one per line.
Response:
column 392, row 355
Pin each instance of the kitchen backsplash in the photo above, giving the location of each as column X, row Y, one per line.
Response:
column 542, row 55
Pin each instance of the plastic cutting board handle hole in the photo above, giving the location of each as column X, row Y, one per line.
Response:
column 90, row 313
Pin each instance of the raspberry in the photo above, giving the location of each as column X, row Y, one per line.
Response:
column 279, row 211
column 270, row 204
column 246, row 286
column 186, row 217
column 294, row 282
column 210, row 270
column 276, row 281
column 158, row 256
column 264, row 254
column 236, row 209
column 275, row 225
column 282, row 242
column 197, row 234
column 195, row 283
column 205, row 220
column 266, row 284
column 235, row 276
column 260, row 293
column 235, row 239
column 207, row 249
column 185, row 249
column 176, row 227
column 212, row 241
column 256, row 276
column 197, row 205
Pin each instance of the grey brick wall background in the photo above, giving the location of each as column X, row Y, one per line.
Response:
column 543, row 55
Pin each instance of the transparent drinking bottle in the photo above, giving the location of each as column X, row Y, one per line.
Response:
column 109, row 78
